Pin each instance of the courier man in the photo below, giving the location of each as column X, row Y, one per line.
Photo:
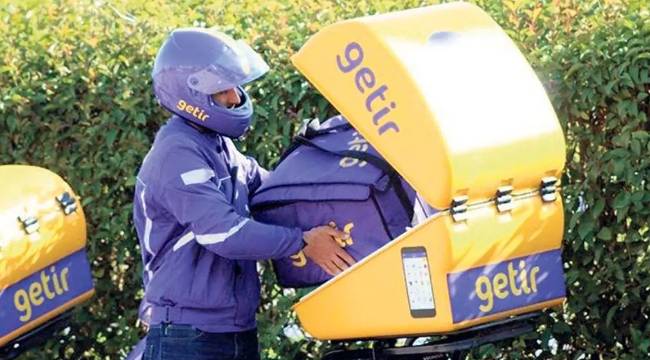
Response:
column 199, row 245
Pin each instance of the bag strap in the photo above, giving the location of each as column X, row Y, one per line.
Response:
column 311, row 130
column 375, row 161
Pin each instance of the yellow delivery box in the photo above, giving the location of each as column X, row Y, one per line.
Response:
column 450, row 102
column 43, row 266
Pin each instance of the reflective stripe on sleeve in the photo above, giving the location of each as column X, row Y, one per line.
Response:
column 197, row 176
column 207, row 239
column 148, row 224
column 185, row 239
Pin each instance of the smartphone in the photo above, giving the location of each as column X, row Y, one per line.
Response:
column 418, row 282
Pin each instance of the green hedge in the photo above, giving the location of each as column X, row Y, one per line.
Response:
column 76, row 98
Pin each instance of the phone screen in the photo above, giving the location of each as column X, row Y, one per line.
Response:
column 418, row 282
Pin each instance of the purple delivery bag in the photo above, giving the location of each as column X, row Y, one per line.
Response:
column 331, row 175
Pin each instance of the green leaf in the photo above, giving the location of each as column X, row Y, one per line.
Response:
column 604, row 234
column 622, row 200
column 635, row 146
column 610, row 315
column 597, row 209
column 110, row 137
column 585, row 228
column 561, row 328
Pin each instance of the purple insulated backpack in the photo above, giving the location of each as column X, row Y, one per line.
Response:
column 331, row 175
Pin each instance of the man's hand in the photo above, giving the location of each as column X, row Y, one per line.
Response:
column 322, row 249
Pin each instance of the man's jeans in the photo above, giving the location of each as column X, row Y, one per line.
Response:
column 169, row 341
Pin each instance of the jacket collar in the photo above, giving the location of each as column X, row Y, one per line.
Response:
column 212, row 137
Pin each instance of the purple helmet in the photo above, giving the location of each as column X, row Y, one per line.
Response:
column 195, row 63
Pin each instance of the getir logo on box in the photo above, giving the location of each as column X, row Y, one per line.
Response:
column 378, row 103
column 44, row 291
column 507, row 285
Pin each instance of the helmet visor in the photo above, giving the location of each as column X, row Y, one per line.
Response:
column 234, row 65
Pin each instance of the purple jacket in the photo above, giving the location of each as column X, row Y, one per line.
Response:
column 199, row 245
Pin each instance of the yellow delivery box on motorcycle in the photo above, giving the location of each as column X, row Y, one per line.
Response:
column 445, row 96
column 43, row 266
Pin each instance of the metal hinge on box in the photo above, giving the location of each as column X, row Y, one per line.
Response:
column 30, row 224
column 503, row 198
column 459, row 208
column 67, row 202
column 547, row 188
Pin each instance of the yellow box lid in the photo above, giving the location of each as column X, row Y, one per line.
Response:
column 444, row 95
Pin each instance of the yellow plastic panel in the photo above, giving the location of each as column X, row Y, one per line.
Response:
column 370, row 299
column 32, row 191
column 444, row 95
